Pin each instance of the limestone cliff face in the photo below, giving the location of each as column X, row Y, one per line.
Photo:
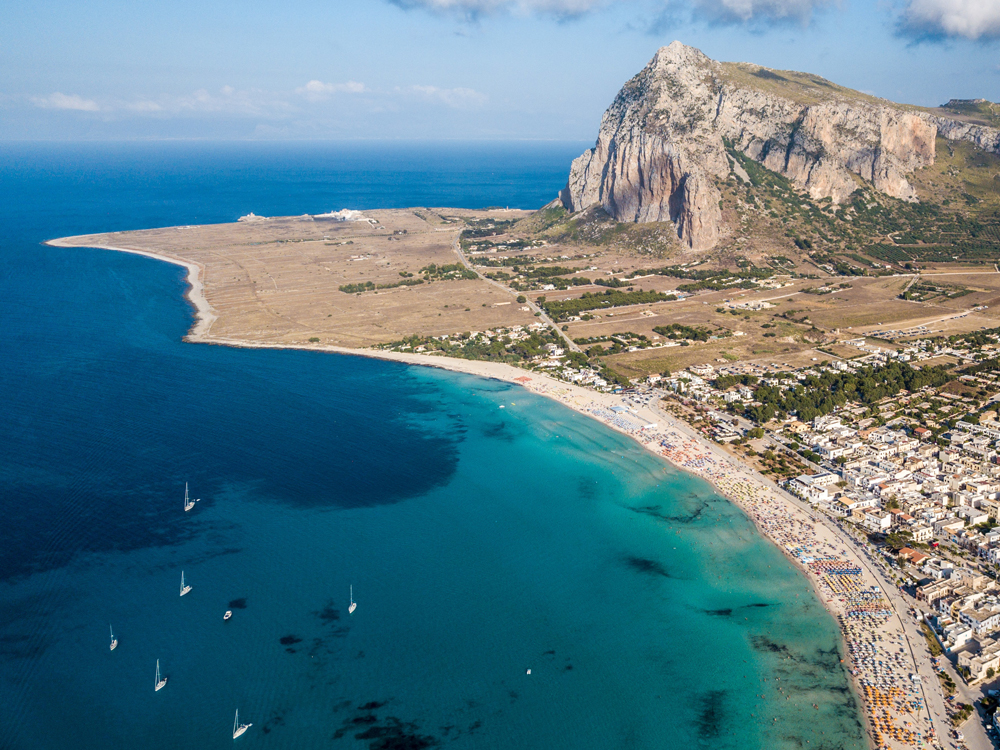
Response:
column 984, row 137
column 662, row 143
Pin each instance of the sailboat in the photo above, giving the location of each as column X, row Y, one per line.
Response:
column 238, row 728
column 184, row 589
column 188, row 502
column 114, row 641
column 354, row 605
column 158, row 685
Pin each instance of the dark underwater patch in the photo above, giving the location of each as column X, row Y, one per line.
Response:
column 646, row 566
column 586, row 488
column 378, row 431
column 498, row 431
column 656, row 511
column 238, row 603
column 729, row 611
column 277, row 720
column 328, row 614
column 290, row 640
column 648, row 510
column 390, row 733
column 719, row 612
column 763, row 643
column 711, row 714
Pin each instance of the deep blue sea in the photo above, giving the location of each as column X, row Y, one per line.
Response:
column 481, row 542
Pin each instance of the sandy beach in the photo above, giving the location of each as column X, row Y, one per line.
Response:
column 885, row 655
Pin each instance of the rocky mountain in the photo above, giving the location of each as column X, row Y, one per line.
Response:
column 667, row 141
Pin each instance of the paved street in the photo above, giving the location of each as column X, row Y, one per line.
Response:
column 503, row 287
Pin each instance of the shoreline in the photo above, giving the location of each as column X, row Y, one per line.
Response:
column 800, row 533
column 205, row 313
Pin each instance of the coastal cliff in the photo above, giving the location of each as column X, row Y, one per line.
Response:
column 666, row 141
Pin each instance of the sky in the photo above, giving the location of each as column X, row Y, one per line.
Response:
column 443, row 69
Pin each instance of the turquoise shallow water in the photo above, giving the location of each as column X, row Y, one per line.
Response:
column 481, row 542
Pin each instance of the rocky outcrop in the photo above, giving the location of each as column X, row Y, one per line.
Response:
column 982, row 136
column 662, row 144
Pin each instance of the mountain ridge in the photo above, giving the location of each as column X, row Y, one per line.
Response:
column 665, row 143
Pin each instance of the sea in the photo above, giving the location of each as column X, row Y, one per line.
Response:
column 524, row 576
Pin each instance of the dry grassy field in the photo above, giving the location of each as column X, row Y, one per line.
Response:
column 795, row 322
column 277, row 280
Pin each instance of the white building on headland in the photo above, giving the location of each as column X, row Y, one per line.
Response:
column 344, row 214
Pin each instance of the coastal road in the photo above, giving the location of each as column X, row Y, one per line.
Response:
column 973, row 729
column 534, row 308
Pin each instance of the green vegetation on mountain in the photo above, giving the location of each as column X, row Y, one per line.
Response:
column 596, row 228
column 802, row 88
column 956, row 219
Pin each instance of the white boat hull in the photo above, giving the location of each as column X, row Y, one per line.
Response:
column 114, row 644
column 241, row 729
column 185, row 590
column 228, row 614
column 350, row 610
column 161, row 684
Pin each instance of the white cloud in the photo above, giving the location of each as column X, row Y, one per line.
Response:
column 459, row 98
column 227, row 101
column 972, row 19
column 745, row 11
column 476, row 8
column 316, row 91
column 59, row 100
column 272, row 107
